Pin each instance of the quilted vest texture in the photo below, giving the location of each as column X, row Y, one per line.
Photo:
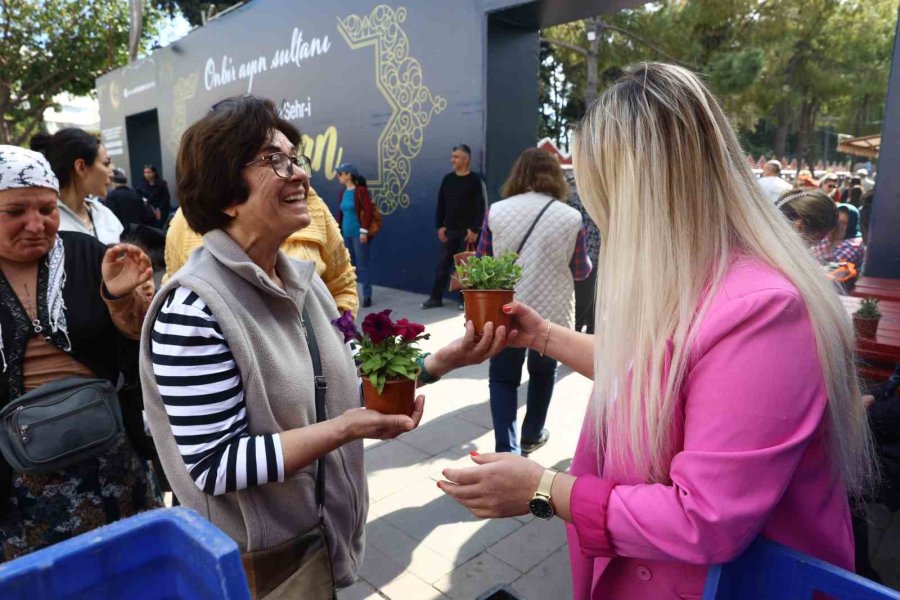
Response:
column 547, row 284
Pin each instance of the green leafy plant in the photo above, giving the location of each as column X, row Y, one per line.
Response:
column 868, row 309
column 386, row 350
column 490, row 272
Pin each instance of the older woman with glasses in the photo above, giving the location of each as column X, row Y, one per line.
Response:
column 251, row 394
column 320, row 242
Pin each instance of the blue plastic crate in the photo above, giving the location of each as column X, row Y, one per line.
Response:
column 770, row 571
column 158, row 555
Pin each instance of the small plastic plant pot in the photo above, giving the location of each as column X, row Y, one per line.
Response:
column 865, row 328
column 397, row 398
column 486, row 306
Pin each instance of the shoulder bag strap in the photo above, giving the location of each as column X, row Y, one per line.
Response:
column 530, row 229
column 321, row 387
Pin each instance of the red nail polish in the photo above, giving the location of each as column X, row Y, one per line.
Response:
column 507, row 308
column 473, row 453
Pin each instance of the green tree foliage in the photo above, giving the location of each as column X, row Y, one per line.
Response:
column 192, row 10
column 780, row 67
column 53, row 46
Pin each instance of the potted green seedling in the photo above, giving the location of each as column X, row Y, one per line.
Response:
column 865, row 320
column 488, row 283
column 387, row 359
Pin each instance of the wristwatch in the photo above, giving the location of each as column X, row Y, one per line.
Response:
column 540, row 503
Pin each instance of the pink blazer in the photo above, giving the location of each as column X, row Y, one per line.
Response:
column 753, row 458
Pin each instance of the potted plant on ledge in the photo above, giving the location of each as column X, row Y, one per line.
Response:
column 865, row 319
column 488, row 283
column 386, row 358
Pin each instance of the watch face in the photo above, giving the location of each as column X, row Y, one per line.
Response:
column 541, row 508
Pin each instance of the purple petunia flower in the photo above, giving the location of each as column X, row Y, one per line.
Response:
column 345, row 325
column 378, row 326
column 408, row 331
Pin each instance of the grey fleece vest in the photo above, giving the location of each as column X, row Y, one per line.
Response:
column 264, row 331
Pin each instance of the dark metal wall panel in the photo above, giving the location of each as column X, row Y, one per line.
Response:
column 883, row 253
column 512, row 97
column 547, row 13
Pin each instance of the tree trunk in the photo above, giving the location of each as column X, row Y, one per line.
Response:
column 862, row 116
column 807, row 123
column 590, row 91
column 4, row 107
column 783, row 117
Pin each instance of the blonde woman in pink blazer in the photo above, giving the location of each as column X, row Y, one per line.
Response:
column 725, row 404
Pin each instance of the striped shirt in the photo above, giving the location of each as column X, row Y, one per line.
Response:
column 203, row 395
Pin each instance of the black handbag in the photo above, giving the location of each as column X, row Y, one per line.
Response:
column 533, row 223
column 60, row 424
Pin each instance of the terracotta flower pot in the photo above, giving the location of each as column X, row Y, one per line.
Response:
column 865, row 328
column 484, row 306
column 397, row 398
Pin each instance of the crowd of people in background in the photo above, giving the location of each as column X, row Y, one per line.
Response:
column 215, row 356
column 843, row 203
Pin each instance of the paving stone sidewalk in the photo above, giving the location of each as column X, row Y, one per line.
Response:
column 421, row 545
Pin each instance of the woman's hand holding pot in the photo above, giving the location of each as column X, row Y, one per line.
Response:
column 124, row 268
column 359, row 423
column 467, row 350
column 528, row 328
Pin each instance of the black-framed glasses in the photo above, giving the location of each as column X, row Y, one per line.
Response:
column 230, row 102
column 283, row 165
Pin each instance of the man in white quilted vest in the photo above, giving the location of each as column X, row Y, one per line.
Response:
column 534, row 217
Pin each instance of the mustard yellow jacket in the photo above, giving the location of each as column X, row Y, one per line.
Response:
column 320, row 242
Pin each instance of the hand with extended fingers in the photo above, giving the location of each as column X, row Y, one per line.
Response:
column 501, row 485
column 362, row 423
column 124, row 268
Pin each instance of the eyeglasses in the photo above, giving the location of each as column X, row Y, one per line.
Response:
column 229, row 102
column 283, row 165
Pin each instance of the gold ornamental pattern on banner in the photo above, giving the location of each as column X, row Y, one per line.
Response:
column 399, row 77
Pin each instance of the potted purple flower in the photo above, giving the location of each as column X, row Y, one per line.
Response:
column 386, row 357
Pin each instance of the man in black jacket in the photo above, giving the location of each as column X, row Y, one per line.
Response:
column 127, row 204
column 460, row 211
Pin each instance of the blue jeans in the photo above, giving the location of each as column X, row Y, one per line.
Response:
column 359, row 256
column 505, row 377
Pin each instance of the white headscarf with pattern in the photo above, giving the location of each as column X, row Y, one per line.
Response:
column 21, row 168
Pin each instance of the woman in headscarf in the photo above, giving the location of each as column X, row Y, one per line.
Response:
column 66, row 305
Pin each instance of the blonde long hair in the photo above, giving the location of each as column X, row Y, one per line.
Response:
column 661, row 171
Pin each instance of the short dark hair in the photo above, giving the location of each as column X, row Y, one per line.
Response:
column 66, row 146
column 118, row 176
column 463, row 148
column 213, row 153
column 538, row 171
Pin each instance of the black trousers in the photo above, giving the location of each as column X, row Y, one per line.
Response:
column 454, row 244
column 585, row 296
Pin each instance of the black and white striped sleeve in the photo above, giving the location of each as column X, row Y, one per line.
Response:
column 201, row 388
